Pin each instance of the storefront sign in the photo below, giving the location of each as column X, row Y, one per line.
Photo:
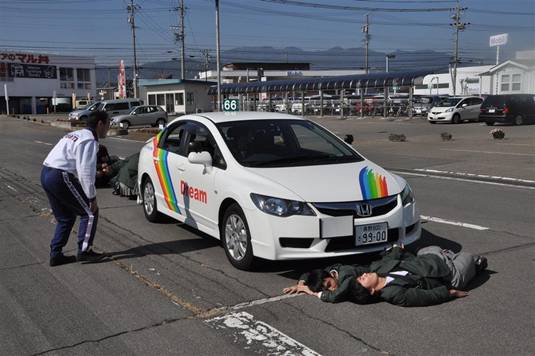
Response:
column 24, row 58
column 498, row 40
column 16, row 70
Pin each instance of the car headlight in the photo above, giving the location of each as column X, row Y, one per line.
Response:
column 407, row 196
column 280, row 207
column 449, row 110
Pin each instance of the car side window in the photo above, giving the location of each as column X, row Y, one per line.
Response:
column 200, row 139
column 173, row 139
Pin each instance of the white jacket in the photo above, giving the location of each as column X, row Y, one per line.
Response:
column 76, row 153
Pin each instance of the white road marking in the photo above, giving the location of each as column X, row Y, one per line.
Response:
column 10, row 187
column 463, row 174
column 43, row 143
column 489, row 152
column 463, row 180
column 262, row 301
column 456, row 223
column 258, row 334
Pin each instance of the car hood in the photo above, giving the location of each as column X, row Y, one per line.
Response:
column 334, row 183
column 441, row 108
column 120, row 117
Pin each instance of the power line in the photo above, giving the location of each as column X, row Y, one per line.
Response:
column 355, row 8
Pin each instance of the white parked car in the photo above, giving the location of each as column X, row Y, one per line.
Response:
column 273, row 186
column 456, row 110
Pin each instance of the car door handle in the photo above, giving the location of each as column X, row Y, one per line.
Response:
column 181, row 169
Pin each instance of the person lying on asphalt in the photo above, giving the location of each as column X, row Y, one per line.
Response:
column 433, row 276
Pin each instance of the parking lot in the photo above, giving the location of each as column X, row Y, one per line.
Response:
column 169, row 289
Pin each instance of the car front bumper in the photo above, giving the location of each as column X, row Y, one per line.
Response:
column 437, row 117
column 300, row 237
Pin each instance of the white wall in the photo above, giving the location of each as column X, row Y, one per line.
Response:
column 468, row 82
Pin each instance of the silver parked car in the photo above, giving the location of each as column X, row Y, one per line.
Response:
column 142, row 115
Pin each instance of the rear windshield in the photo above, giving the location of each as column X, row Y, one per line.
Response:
column 495, row 100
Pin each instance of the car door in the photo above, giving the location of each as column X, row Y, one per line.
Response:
column 136, row 116
column 197, row 185
column 169, row 159
column 475, row 106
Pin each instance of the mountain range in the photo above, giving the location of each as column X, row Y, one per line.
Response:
column 333, row 58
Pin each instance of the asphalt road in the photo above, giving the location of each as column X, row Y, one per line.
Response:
column 170, row 290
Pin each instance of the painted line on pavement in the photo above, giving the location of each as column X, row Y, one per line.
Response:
column 489, row 152
column 259, row 336
column 473, row 175
column 43, row 143
column 462, row 180
column 456, row 223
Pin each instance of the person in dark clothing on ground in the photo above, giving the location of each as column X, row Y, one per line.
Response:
column 68, row 178
column 107, row 166
column 433, row 276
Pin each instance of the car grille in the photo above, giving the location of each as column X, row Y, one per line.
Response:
column 379, row 207
column 348, row 242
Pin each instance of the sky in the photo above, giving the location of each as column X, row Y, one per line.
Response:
column 99, row 28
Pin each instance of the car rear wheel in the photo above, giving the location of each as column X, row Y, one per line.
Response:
column 519, row 120
column 236, row 238
column 456, row 119
column 489, row 123
column 149, row 201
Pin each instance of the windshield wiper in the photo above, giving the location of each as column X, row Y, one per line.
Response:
column 296, row 159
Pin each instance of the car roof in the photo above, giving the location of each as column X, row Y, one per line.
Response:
column 219, row 117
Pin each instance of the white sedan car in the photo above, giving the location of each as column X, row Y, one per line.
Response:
column 273, row 186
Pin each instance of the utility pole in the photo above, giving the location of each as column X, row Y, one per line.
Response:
column 180, row 37
column 132, row 21
column 458, row 26
column 366, row 31
column 205, row 53
column 218, row 55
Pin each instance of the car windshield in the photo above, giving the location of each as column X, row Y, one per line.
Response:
column 447, row 102
column 423, row 100
column 284, row 143
column 95, row 106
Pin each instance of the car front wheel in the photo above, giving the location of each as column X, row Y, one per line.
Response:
column 456, row 119
column 149, row 201
column 160, row 122
column 236, row 238
column 519, row 120
column 125, row 124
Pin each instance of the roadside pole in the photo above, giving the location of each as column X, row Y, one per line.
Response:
column 321, row 103
column 218, row 55
column 342, row 93
column 7, row 98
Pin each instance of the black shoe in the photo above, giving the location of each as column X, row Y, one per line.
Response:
column 90, row 256
column 61, row 259
column 481, row 263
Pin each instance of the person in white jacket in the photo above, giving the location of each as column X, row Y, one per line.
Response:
column 68, row 178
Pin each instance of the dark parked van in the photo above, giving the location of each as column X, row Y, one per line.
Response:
column 515, row 109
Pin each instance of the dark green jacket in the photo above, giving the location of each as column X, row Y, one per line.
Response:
column 427, row 283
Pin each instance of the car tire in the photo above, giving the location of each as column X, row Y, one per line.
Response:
column 456, row 119
column 236, row 238
column 432, row 122
column 150, row 207
column 489, row 123
column 519, row 120
column 83, row 118
column 126, row 124
column 161, row 122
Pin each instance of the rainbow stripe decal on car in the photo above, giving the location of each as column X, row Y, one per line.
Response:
column 159, row 158
column 372, row 185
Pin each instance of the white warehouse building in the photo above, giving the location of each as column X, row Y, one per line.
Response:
column 468, row 82
column 33, row 79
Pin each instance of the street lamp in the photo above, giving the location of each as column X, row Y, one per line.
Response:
column 387, row 57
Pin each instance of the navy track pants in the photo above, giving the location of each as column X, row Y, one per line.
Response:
column 68, row 200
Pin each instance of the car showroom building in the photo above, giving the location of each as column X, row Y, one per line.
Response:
column 38, row 83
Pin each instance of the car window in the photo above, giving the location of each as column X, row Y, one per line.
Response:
column 116, row 106
column 476, row 101
column 173, row 138
column 199, row 139
column 447, row 102
column 284, row 143
column 134, row 104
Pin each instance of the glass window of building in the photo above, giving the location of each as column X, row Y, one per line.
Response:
column 66, row 77
column 84, row 78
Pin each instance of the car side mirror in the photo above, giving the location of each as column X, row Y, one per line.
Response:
column 348, row 139
column 203, row 158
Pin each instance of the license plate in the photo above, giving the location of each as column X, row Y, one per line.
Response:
column 492, row 111
column 371, row 234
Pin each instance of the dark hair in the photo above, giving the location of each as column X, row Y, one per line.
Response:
column 314, row 279
column 361, row 295
column 95, row 117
